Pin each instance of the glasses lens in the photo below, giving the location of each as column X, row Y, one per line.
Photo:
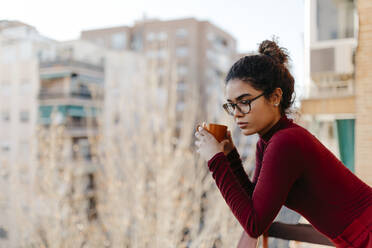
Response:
column 245, row 108
column 229, row 108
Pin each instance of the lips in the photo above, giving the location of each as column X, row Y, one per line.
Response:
column 242, row 124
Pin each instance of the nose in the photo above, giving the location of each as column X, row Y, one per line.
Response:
column 237, row 113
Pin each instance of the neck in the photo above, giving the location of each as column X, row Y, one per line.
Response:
column 270, row 125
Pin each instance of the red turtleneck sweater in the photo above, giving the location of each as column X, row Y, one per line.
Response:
column 293, row 169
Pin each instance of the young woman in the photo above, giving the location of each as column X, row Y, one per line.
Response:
column 292, row 167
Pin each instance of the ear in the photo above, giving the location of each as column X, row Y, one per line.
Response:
column 276, row 97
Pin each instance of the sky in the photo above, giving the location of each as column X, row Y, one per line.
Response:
column 249, row 21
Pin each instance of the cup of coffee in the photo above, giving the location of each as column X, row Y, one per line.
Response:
column 217, row 130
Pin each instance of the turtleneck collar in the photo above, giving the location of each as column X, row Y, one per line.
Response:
column 280, row 124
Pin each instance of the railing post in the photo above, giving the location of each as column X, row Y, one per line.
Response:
column 265, row 240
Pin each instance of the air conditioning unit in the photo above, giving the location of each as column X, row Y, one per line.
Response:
column 332, row 58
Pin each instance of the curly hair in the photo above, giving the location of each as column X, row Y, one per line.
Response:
column 266, row 71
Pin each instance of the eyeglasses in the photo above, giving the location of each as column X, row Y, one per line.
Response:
column 244, row 106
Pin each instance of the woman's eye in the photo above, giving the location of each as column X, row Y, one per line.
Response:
column 245, row 102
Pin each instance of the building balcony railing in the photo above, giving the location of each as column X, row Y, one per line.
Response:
column 44, row 95
column 70, row 62
column 76, row 131
column 84, row 123
column 331, row 86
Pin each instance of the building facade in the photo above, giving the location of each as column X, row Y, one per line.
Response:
column 52, row 120
column 363, row 102
column 328, row 109
column 187, row 56
column 19, row 84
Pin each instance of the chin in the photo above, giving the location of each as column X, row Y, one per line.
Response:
column 248, row 132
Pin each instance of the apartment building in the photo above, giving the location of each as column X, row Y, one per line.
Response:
column 329, row 105
column 363, row 92
column 20, row 46
column 188, row 56
column 51, row 89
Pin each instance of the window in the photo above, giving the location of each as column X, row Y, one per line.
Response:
column 180, row 106
column 24, row 116
column 162, row 53
column 116, row 118
column 5, row 87
column 182, row 51
column 210, row 54
column 150, row 36
column 151, row 54
column 136, row 43
column 5, row 116
column 181, row 86
column 119, row 41
column 335, row 19
column 5, row 147
column 81, row 149
column 24, row 148
column 220, row 42
column 100, row 41
column 161, row 71
column 9, row 53
column 182, row 70
column 25, row 86
column 162, row 36
column 181, row 33
column 210, row 36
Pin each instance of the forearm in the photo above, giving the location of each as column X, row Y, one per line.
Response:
column 237, row 168
column 280, row 170
column 236, row 197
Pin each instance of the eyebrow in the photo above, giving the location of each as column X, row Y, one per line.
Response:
column 240, row 97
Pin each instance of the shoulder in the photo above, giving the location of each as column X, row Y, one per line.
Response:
column 287, row 150
column 294, row 137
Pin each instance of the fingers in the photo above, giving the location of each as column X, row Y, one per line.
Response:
column 228, row 135
column 224, row 142
column 199, row 134
column 201, row 131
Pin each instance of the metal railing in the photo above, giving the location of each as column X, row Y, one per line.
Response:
column 294, row 232
column 332, row 85
column 43, row 95
column 72, row 62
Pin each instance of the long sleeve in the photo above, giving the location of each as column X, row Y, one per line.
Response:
column 237, row 168
column 280, row 169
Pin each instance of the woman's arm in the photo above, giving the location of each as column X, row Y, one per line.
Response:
column 281, row 167
column 237, row 168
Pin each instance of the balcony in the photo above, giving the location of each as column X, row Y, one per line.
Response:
column 71, row 63
column 52, row 95
column 43, row 95
column 332, row 85
column 330, row 93
column 77, row 119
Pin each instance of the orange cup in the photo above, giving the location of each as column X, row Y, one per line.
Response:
column 217, row 130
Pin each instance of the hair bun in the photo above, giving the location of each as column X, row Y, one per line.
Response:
column 271, row 48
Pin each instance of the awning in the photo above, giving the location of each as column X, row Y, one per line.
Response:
column 46, row 111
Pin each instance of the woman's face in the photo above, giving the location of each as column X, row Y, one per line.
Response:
column 263, row 115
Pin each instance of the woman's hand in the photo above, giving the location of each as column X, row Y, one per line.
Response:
column 208, row 146
column 228, row 143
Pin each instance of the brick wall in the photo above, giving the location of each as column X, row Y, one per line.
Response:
column 363, row 135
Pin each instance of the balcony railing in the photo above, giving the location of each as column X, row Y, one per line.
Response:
column 44, row 95
column 326, row 86
column 294, row 232
column 71, row 62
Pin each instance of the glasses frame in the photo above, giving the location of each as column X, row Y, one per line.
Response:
column 236, row 105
